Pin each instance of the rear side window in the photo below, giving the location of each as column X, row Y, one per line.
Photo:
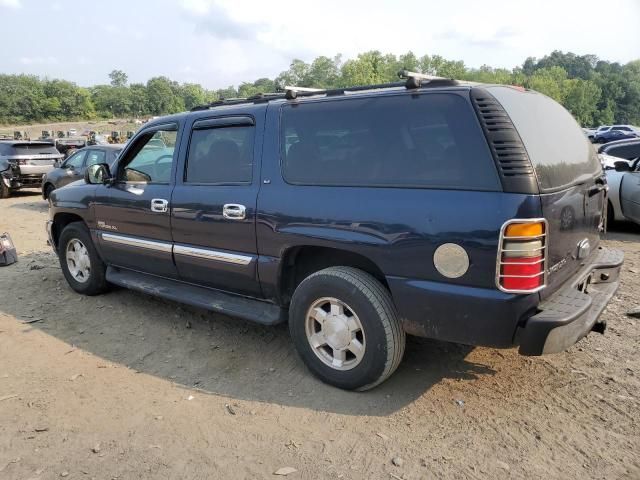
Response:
column 220, row 155
column 34, row 149
column 427, row 140
column 560, row 152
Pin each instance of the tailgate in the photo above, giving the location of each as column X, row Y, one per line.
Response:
column 575, row 217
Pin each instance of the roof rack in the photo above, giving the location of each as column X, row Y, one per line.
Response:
column 412, row 80
column 258, row 98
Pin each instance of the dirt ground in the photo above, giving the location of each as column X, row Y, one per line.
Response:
column 125, row 386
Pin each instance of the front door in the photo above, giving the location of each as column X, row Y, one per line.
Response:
column 133, row 217
column 73, row 168
column 214, row 204
column 630, row 193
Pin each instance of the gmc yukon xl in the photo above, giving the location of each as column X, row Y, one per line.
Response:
column 461, row 212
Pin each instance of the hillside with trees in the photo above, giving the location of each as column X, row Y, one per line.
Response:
column 596, row 91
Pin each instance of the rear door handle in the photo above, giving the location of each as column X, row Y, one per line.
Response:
column 234, row 211
column 159, row 205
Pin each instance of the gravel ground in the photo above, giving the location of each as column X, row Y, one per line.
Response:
column 125, row 386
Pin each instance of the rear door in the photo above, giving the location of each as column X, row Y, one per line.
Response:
column 133, row 215
column 630, row 194
column 214, row 203
column 569, row 175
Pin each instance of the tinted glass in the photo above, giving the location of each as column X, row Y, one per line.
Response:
column 628, row 151
column 626, row 129
column 427, row 140
column 220, row 155
column 152, row 163
column 561, row 154
column 76, row 159
column 35, row 149
column 95, row 156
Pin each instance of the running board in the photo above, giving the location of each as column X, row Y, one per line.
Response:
column 209, row 299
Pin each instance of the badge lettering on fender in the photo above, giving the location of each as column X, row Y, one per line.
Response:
column 104, row 226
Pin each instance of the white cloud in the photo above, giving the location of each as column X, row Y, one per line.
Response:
column 10, row 3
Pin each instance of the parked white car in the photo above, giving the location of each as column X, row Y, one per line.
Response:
column 623, row 178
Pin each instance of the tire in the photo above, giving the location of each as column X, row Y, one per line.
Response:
column 4, row 190
column 92, row 282
column 47, row 191
column 365, row 302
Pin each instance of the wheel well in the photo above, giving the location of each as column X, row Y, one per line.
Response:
column 60, row 221
column 300, row 262
column 44, row 189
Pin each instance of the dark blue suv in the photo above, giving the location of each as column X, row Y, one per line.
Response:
column 466, row 213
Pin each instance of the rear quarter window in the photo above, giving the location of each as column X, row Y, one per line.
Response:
column 35, row 150
column 428, row 140
column 560, row 152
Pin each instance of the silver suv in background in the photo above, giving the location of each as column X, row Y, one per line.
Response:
column 23, row 164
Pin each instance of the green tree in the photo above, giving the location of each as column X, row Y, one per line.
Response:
column 118, row 78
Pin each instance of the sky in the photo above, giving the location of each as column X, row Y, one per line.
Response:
column 218, row 43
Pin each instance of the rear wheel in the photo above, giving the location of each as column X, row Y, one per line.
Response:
column 346, row 329
column 81, row 266
column 4, row 190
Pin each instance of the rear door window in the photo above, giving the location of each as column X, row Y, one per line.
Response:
column 426, row 140
column 561, row 154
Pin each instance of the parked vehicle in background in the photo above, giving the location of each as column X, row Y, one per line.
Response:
column 72, row 132
column 432, row 208
column 630, row 192
column 589, row 132
column 73, row 168
column 24, row 163
column 608, row 133
column 67, row 146
column 619, row 158
column 613, row 135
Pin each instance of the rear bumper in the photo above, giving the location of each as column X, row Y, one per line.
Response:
column 573, row 311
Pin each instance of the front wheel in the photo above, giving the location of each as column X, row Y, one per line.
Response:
column 81, row 266
column 47, row 191
column 346, row 329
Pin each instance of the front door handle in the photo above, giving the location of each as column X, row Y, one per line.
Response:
column 159, row 205
column 234, row 211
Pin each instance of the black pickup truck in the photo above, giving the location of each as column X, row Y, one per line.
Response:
column 466, row 213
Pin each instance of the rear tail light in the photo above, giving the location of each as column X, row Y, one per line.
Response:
column 522, row 256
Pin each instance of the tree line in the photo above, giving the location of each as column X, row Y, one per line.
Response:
column 595, row 91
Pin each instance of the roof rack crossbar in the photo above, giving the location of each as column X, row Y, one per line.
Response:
column 416, row 79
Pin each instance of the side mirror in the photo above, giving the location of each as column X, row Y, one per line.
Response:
column 97, row 174
column 621, row 166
